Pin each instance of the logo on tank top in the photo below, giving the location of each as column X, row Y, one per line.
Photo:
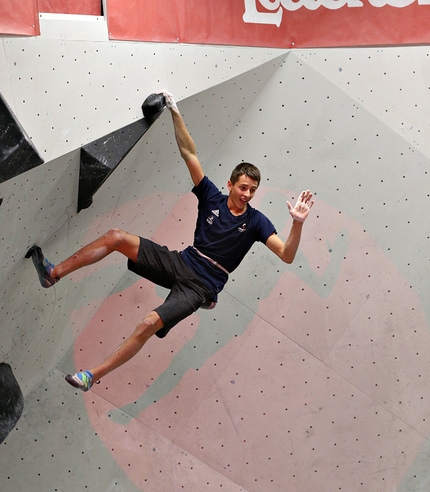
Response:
column 242, row 228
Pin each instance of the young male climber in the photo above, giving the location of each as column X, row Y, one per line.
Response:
column 226, row 228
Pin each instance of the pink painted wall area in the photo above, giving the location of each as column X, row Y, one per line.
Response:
column 319, row 377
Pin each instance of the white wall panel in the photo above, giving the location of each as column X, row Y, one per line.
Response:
column 214, row 64
column 6, row 88
column 69, row 91
column 74, row 92
column 73, row 27
column 393, row 83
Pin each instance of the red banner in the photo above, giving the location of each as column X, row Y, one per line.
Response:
column 19, row 17
column 268, row 23
column 272, row 23
column 81, row 7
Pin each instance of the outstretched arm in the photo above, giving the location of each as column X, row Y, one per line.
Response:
column 185, row 143
column 287, row 251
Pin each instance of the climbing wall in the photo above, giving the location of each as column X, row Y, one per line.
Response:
column 311, row 376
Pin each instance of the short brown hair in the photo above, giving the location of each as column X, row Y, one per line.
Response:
column 245, row 168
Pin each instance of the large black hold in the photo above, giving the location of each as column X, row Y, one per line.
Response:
column 17, row 153
column 11, row 401
column 102, row 156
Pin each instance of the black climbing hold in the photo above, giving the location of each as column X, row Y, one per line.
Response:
column 153, row 105
column 101, row 157
column 11, row 401
column 29, row 253
column 17, row 153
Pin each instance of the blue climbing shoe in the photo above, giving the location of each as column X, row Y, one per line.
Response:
column 81, row 380
column 43, row 267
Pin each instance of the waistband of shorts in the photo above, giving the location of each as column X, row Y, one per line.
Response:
column 211, row 260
